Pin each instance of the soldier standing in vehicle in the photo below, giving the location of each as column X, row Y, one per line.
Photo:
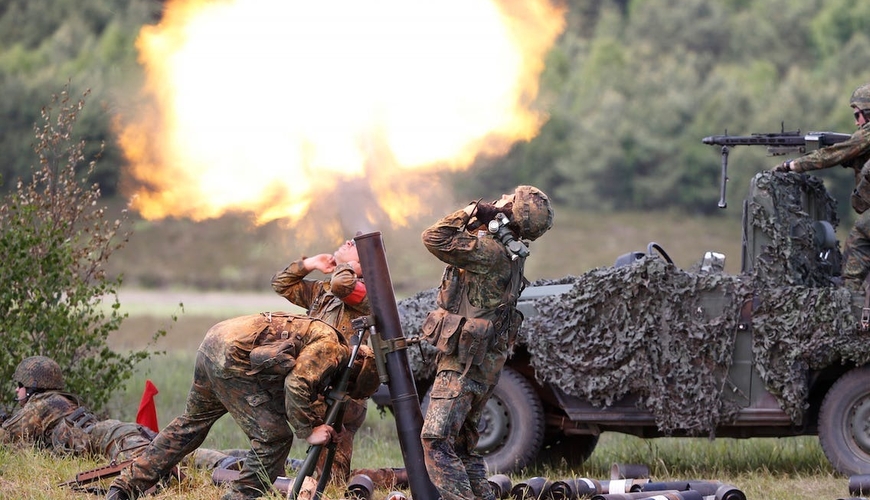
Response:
column 337, row 301
column 853, row 153
column 474, row 327
column 264, row 370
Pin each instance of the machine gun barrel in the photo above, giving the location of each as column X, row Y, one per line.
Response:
column 778, row 143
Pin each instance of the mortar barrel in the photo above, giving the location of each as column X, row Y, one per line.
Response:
column 403, row 392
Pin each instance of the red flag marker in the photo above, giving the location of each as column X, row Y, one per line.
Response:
column 147, row 414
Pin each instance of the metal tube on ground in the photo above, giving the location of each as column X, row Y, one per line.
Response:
column 530, row 489
column 571, row 489
column 359, row 487
column 634, row 495
column 629, row 471
column 403, row 392
column 859, row 484
column 501, row 485
column 729, row 492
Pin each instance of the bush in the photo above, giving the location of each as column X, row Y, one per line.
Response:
column 55, row 243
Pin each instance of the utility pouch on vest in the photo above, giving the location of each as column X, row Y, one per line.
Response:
column 275, row 359
column 441, row 329
column 474, row 341
column 861, row 194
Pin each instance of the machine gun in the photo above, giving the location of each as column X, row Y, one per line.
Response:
column 781, row 143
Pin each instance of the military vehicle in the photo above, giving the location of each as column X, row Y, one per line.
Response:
column 648, row 349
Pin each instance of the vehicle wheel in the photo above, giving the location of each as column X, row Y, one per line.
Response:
column 844, row 423
column 512, row 425
column 574, row 450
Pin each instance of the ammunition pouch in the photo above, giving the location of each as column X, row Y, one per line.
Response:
column 275, row 359
column 441, row 329
column 82, row 419
column 468, row 338
column 861, row 194
column 475, row 339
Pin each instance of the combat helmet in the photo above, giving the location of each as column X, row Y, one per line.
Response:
column 531, row 212
column 861, row 97
column 39, row 372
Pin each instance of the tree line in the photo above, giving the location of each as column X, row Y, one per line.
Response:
column 630, row 87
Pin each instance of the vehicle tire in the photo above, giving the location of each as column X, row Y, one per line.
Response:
column 573, row 450
column 844, row 423
column 511, row 426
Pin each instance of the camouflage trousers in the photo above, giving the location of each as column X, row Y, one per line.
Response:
column 212, row 395
column 450, row 436
column 856, row 253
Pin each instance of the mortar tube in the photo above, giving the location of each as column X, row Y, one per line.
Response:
column 403, row 392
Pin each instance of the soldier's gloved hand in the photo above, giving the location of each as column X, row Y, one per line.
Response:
column 4, row 415
column 486, row 212
column 783, row 167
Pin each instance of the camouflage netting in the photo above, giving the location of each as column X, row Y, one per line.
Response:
column 666, row 335
column 644, row 329
column 413, row 311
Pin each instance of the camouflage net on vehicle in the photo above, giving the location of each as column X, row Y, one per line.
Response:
column 667, row 335
column 645, row 329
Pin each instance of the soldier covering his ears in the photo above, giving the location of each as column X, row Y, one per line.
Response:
column 474, row 327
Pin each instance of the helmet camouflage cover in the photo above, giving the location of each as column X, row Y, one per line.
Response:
column 532, row 212
column 39, row 372
column 861, row 97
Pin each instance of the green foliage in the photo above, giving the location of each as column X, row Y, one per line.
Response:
column 55, row 243
column 631, row 87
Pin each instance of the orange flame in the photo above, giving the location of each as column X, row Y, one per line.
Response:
column 265, row 106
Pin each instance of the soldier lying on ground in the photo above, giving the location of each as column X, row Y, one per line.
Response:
column 264, row 370
column 337, row 301
column 52, row 419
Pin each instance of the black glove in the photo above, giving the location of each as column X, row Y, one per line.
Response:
column 486, row 212
column 3, row 415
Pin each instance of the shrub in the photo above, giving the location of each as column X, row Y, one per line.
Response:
column 55, row 298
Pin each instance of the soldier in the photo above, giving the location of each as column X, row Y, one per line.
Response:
column 853, row 153
column 56, row 420
column 264, row 370
column 474, row 327
column 337, row 301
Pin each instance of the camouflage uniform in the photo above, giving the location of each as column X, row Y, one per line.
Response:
column 853, row 153
column 460, row 390
column 337, row 302
column 57, row 421
column 262, row 402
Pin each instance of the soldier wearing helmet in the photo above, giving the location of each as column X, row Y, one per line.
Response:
column 474, row 327
column 853, row 153
column 264, row 370
column 337, row 300
column 58, row 421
